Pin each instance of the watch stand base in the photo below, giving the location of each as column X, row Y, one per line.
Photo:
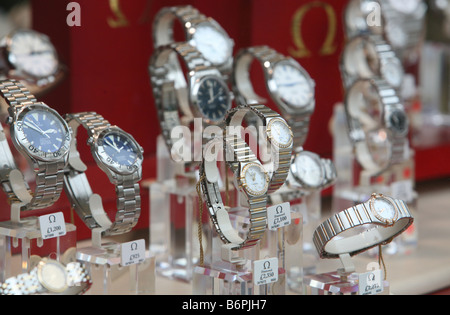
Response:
column 109, row 277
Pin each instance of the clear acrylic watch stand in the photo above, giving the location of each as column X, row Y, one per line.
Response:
column 109, row 276
column 344, row 281
column 22, row 237
column 354, row 185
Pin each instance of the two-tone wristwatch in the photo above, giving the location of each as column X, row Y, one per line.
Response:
column 357, row 229
column 49, row 277
column 120, row 157
column 309, row 171
column 203, row 93
column 202, row 32
column 289, row 86
column 373, row 106
column 31, row 58
column 367, row 57
column 251, row 179
column 275, row 131
column 43, row 137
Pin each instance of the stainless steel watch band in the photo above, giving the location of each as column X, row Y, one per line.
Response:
column 244, row 92
column 49, row 175
column 280, row 156
column 357, row 229
column 79, row 191
column 217, row 210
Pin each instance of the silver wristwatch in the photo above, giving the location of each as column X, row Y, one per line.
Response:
column 120, row 157
column 41, row 135
column 310, row 172
column 49, row 277
column 251, row 179
column 200, row 31
column 359, row 228
column 289, row 85
column 367, row 57
column 274, row 130
column 373, row 107
column 31, row 58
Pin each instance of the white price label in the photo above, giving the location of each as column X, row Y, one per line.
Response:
column 371, row 283
column 265, row 271
column 279, row 216
column 133, row 253
column 52, row 225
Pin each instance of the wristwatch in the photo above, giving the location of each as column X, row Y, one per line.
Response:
column 206, row 95
column 367, row 57
column 289, row 85
column 275, row 131
column 357, row 229
column 120, row 157
column 309, row 171
column 49, row 277
column 388, row 120
column 31, row 58
column 202, row 32
column 253, row 182
column 42, row 136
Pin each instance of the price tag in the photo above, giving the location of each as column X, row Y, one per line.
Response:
column 402, row 190
column 371, row 283
column 133, row 253
column 279, row 216
column 52, row 225
column 265, row 271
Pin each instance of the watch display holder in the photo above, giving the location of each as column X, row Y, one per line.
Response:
column 109, row 276
column 23, row 237
column 230, row 272
column 344, row 281
column 355, row 185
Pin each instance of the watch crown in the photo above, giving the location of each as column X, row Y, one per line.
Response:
column 90, row 140
column 9, row 120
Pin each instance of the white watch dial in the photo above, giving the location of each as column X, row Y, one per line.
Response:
column 53, row 276
column 393, row 73
column 33, row 54
column 212, row 44
column 293, row 87
column 309, row 170
column 405, row 6
column 384, row 210
column 281, row 133
column 255, row 179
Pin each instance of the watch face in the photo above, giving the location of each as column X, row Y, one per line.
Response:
column 393, row 73
column 383, row 209
column 213, row 44
column 42, row 132
column 398, row 122
column 33, row 53
column 396, row 35
column 280, row 133
column 52, row 275
column 309, row 170
column 294, row 88
column 120, row 151
column 405, row 6
column 255, row 179
column 213, row 98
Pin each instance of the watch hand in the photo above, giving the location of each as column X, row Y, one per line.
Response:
column 113, row 145
column 33, row 126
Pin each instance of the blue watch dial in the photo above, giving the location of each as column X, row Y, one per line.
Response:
column 120, row 148
column 43, row 130
column 213, row 99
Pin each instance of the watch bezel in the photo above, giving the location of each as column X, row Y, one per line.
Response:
column 25, row 145
column 18, row 70
column 104, row 159
column 244, row 184
column 272, row 138
column 294, row 169
column 195, row 101
column 42, row 264
column 388, row 222
column 274, row 91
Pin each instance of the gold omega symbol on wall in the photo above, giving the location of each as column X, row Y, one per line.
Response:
column 328, row 47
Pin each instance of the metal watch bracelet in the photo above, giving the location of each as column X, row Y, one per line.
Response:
column 78, row 190
column 49, row 175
